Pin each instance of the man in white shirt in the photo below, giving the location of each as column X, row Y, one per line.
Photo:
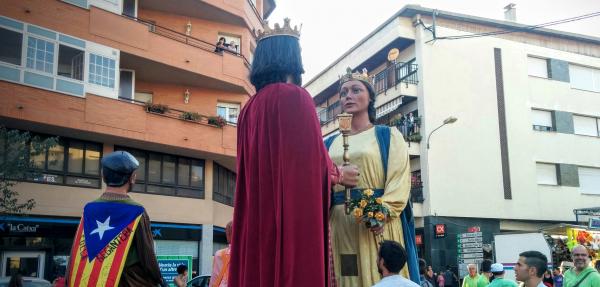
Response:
column 530, row 268
column 390, row 260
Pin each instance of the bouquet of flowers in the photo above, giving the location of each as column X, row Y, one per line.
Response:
column 369, row 209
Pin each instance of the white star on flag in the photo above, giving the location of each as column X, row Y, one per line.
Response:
column 102, row 227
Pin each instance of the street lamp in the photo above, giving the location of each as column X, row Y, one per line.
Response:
column 449, row 120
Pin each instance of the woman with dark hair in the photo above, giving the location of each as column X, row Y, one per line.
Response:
column 182, row 276
column 381, row 155
column 280, row 220
column 221, row 45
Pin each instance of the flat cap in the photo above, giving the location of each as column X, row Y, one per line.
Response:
column 120, row 162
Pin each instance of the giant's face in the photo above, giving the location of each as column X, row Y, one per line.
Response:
column 354, row 97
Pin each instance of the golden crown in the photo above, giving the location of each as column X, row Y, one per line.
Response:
column 286, row 30
column 349, row 76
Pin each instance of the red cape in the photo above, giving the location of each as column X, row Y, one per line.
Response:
column 280, row 224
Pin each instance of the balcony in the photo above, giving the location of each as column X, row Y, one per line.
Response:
column 416, row 194
column 396, row 74
column 120, row 122
column 138, row 37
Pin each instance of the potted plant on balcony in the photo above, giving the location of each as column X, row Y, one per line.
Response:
column 190, row 116
column 416, row 137
column 217, row 121
column 156, row 108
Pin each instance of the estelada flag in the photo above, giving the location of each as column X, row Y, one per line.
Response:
column 102, row 243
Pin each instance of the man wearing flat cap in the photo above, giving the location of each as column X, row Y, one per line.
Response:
column 113, row 244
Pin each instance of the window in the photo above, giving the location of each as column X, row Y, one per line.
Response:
column 10, row 46
column 228, row 111
column 223, row 185
column 589, row 180
column 584, row 78
column 542, row 120
column 168, row 174
column 70, row 62
column 102, row 71
column 546, row 174
column 537, row 67
column 231, row 42
column 70, row 162
column 40, row 55
column 585, row 125
column 130, row 8
column 126, row 84
column 143, row 97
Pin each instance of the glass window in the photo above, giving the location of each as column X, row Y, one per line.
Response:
column 129, row 8
column 40, row 55
column 168, row 174
column 102, row 71
column 70, row 62
column 584, row 78
column 92, row 159
column 228, row 111
column 126, row 84
column 537, row 67
column 546, row 174
column 56, row 157
column 223, row 185
column 11, row 43
column 76, row 157
column 542, row 120
column 168, row 169
column 183, row 172
column 38, row 159
column 585, row 125
column 143, row 97
column 154, row 168
column 589, row 180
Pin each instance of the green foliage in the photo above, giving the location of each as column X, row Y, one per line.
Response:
column 16, row 150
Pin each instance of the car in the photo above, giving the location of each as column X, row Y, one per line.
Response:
column 28, row 282
column 199, row 281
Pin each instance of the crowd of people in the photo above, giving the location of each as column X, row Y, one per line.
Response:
column 407, row 124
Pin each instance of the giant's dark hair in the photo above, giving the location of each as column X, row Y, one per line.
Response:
column 276, row 58
column 371, row 108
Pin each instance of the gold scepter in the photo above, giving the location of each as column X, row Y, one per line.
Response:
column 345, row 127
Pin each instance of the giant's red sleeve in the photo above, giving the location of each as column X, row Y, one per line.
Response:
column 280, row 224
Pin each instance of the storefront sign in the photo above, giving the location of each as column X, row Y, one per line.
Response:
column 470, row 240
column 471, row 255
column 470, row 234
column 440, row 230
column 18, row 227
column 470, row 245
column 470, row 261
column 474, row 229
column 419, row 239
column 168, row 266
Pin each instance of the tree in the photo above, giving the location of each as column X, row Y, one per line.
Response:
column 17, row 148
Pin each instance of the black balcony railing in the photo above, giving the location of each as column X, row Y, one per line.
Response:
column 183, row 38
column 398, row 73
column 328, row 114
column 416, row 194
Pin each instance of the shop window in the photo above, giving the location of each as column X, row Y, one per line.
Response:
column 10, row 46
column 223, row 185
column 168, row 174
column 40, row 55
column 70, row 62
column 70, row 162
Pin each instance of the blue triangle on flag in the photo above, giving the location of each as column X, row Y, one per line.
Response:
column 103, row 221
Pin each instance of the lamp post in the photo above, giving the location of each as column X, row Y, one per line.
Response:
column 449, row 120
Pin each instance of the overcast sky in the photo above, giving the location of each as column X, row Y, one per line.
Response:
column 331, row 27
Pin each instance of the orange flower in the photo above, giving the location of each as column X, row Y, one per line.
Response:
column 368, row 192
column 370, row 214
column 379, row 200
column 363, row 203
column 379, row 216
column 358, row 212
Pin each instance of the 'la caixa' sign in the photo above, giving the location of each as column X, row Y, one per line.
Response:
column 10, row 227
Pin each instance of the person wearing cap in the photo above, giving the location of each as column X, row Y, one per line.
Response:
column 582, row 275
column 497, row 270
column 113, row 245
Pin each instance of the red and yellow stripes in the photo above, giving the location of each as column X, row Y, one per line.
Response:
column 107, row 267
